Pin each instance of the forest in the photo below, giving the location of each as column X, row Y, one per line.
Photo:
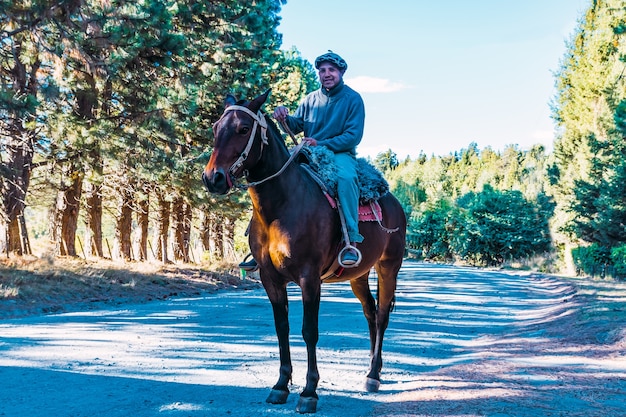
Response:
column 106, row 112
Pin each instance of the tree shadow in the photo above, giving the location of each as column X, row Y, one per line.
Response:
column 462, row 341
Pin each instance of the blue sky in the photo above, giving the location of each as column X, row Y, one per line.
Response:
column 438, row 75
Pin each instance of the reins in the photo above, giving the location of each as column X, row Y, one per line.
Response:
column 293, row 155
column 289, row 132
column 259, row 120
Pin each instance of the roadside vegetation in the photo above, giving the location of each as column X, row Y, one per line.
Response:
column 31, row 285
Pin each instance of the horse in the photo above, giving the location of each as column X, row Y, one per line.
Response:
column 295, row 236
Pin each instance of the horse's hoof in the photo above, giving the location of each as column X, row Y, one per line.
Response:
column 277, row 396
column 372, row 385
column 307, row 405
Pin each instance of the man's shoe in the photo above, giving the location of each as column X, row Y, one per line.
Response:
column 350, row 257
column 249, row 266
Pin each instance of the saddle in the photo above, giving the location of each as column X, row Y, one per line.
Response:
column 318, row 162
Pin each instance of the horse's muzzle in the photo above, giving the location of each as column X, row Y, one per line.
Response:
column 217, row 181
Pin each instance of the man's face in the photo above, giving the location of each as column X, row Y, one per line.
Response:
column 329, row 75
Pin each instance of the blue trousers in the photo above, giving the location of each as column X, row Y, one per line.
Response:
column 348, row 193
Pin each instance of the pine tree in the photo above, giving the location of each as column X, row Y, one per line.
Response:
column 22, row 46
column 124, row 102
column 587, row 174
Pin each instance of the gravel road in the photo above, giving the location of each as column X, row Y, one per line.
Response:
column 462, row 342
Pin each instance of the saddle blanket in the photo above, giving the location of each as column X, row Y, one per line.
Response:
column 370, row 212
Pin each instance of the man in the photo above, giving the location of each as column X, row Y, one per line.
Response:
column 333, row 116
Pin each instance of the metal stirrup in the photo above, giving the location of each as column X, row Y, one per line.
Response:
column 346, row 239
column 344, row 250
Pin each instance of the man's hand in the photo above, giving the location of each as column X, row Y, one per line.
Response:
column 310, row 141
column 281, row 113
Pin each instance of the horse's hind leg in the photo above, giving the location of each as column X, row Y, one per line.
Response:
column 361, row 289
column 387, row 271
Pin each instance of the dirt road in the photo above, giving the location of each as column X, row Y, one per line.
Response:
column 462, row 342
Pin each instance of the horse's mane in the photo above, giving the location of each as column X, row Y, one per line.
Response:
column 275, row 131
column 270, row 123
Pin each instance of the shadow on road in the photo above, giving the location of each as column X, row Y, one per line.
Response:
column 461, row 342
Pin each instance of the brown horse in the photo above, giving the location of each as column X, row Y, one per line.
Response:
column 295, row 236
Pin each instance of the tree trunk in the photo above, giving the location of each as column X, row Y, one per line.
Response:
column 217, row 236
column 205, row 233
column 143, row 221
column 18, row 144
column 13, row 243
column 69, row 210
column 24, row 234
column 124, row 222
column 16, row 173
column 93, row 221
column 54, row 223
column 182, row 214
column 229, row 239
column 163, row 225
column 86, row 103
column 188, row 219
column 178, row 245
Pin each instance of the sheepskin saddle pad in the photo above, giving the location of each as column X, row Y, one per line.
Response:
column 319, row 162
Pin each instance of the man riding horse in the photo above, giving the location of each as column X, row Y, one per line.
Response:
column 333, row 116
column 295, row 234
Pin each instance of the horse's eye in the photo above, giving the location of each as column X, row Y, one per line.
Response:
column 243, row 130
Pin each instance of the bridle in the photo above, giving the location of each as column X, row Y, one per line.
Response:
column 259, row 120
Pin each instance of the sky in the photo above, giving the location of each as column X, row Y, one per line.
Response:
column 437, row 75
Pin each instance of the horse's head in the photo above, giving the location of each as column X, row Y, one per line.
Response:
column 240, row 135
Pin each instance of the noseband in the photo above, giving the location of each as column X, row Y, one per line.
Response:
column 259, row 120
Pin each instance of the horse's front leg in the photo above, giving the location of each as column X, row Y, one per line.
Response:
column 311, row 289
column 278, row 297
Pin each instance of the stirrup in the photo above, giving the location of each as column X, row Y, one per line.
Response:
column 346, row 249
column 249, row 265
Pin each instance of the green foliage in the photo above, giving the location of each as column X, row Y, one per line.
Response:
column 481, row 207
column 292, row 78
column 591, row 259
column 432, row 232
column 386, row 161
column 499, row 226
column 409, row 195
column 588, row 175
column 618, row 259
column 127, row 91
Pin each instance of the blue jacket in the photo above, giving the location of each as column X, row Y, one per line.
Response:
column 334, row 118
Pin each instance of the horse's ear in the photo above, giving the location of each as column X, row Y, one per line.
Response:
column 229, row 100
column 256, row 104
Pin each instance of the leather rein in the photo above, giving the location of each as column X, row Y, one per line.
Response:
column 259, row 120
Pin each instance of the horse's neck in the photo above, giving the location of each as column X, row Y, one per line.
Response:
column 280, row 187
column 282, row 190
column 273, row 157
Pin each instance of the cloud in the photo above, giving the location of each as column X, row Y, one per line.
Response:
column 365, row 84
